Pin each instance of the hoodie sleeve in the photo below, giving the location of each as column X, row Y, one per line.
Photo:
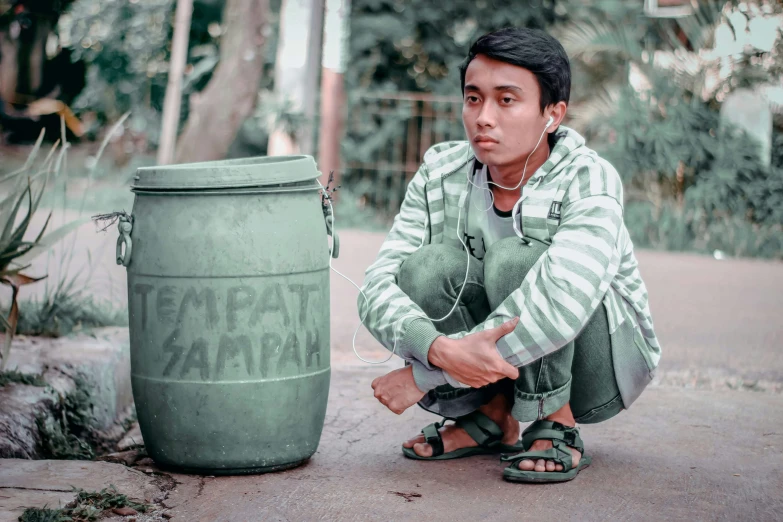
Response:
column 388, row 312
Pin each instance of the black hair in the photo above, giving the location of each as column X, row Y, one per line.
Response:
column 531, row 49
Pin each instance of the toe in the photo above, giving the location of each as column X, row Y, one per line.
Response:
column 527, row 465
column 575, row 457
column 409, row 443
column 559, row 467
column 550, row 466
column 540, row 465
column 422, row 449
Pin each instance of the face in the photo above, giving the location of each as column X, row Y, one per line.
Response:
column 501, row 112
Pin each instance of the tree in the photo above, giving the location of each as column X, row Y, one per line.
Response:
column 217, row 113
column 171, row 106
column 296, row 74
column 336, row 34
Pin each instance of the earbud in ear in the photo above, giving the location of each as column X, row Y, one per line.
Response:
column 550, row 122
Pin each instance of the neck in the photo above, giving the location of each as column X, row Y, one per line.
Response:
column 509, row 175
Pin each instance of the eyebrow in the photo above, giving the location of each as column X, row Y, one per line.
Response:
column 473, row 88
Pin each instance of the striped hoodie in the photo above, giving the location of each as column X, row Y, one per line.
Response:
column 589, row 263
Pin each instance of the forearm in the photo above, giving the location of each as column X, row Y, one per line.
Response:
column 563, row 288
column 386, row 311
column 429, row 378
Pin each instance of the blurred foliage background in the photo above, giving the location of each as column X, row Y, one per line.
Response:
column 647, row 92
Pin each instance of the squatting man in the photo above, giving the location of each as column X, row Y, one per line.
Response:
column 508, row 282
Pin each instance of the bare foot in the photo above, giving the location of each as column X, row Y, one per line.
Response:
column 455, row 438
column 566, row 418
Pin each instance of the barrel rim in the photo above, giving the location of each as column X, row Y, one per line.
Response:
column 256, row 171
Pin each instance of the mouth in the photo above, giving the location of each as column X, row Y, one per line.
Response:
column 484, row 139
column 485, row 143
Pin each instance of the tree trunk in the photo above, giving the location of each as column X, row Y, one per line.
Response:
column 296, row 72
column 171, row 103
column 218, row 112
column 336, row 33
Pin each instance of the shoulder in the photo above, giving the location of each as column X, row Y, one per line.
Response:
column 446, row 157
column 593, row 176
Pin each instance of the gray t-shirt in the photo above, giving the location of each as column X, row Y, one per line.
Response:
column 486, row 224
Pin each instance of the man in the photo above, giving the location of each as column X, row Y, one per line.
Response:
column 523, row 239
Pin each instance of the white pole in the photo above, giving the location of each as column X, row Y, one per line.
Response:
column 173, row 98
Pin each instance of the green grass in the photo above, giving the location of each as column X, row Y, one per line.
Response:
column 86, row 507
column 42, row 515
column 691, row 231
column 15, row 377
column 68, row 435
column 65, row 313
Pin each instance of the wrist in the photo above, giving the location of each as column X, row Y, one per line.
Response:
column 437, row 352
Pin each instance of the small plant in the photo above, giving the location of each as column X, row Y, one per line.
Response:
column 66, row 312
column 16, row 253
column 86, row 507
column 16, row 377
column 43, row 514
column 70, row 435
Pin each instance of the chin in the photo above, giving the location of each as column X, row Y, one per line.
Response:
column 490, row 158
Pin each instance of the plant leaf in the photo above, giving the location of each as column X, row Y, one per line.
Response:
column 13, row 270
column 30, row 158
column 18, row 279
column 9, row 225
column 18, row 236
column 46, row 242
column 11, row 254
column 12, row 321
column 43, row 229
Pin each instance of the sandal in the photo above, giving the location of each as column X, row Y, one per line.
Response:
column 562, row 438
column 481, row 428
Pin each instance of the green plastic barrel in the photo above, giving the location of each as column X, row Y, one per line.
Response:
column 228, row 298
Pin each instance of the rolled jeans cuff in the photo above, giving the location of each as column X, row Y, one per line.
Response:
column 530, row 407
column 415, row 343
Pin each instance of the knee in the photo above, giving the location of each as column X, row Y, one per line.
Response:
column 427, row 267
column 506, row 264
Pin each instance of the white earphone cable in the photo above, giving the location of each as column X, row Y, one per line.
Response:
column 467, row 270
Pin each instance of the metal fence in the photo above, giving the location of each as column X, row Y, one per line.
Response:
column 386, row 138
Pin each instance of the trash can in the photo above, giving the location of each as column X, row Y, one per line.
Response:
column 228, row 298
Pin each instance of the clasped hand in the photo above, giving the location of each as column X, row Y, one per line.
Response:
column 472, row 360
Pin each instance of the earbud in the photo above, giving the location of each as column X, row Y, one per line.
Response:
column 550, row 122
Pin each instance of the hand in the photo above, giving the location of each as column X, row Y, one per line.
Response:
column 397, row 390
column 474, row 360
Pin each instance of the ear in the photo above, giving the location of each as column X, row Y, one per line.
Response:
column 557, row 111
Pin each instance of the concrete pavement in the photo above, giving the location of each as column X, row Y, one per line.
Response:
column 676, row 455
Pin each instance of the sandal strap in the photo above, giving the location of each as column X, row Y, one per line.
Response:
column 432, row 437
column 554, row 431
column 558, row 453
column 481, row 428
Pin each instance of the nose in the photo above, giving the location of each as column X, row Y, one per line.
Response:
column 486, row 116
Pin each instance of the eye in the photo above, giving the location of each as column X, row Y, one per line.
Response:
column 471, row 99
column 507, row 100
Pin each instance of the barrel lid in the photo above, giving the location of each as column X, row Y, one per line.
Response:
column 235, row 173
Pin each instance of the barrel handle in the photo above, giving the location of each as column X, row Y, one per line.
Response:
column 330, row 231
column 125, row 226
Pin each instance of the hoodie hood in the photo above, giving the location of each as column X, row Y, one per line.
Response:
column 569, row 147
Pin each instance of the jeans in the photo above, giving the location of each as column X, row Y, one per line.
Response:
column 581, row 372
